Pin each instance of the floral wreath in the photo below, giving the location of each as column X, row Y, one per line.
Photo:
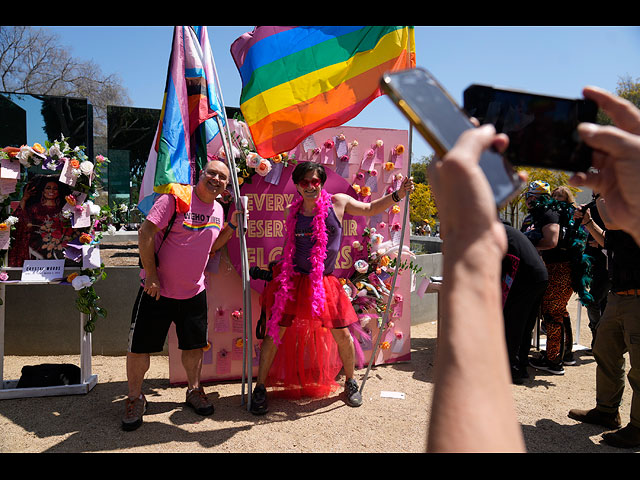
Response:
column 58, row 156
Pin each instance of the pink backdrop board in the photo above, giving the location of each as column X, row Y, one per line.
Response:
column 346, row 164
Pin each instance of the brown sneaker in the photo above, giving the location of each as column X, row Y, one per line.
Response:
column 627, row 437
column 596, row 417
column 133, row 412
column 197, row 400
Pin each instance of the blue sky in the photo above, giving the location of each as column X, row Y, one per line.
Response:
column 553, row 60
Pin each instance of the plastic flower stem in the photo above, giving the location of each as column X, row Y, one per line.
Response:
column 385, row 316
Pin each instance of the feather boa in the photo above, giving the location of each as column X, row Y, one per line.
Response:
column 318, row 256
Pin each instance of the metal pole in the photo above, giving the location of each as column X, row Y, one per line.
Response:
column 385, row 316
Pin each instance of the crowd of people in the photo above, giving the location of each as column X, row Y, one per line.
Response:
column 505, row 275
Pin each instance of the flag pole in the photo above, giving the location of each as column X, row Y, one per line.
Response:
column 247, row 341
column 385, row 316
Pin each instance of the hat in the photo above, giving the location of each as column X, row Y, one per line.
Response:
column 539, row 188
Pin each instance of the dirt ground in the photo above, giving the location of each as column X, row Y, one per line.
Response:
column 384, row 424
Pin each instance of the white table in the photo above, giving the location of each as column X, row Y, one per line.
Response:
column 87, row 379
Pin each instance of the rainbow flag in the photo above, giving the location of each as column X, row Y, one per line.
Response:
column 299, row 80
column 187, row 124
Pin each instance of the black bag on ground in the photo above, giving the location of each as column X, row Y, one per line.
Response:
column 49, row 375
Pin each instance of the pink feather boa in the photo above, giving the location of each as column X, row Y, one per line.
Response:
column 318, row 256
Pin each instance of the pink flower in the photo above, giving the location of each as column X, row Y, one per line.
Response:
column 263, row 167
column 395, row 227
column 344, row 158
column 328, row 144
column 370, row 153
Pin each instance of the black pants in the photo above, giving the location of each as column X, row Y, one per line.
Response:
column 521, row 310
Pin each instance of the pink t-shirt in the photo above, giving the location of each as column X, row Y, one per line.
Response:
column 185, row 252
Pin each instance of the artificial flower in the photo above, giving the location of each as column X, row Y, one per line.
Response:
column 357, row 245
column 253, row 160
column 207, row 347
column 385, row 345
column 240, row 180
column 237, row 314
column 72, row 276
column 365, row 191
column 370, row 153
column 277, row 159
column 399, row 177
column 360, row 176
column 85, row 238
column 361, row 266
column 399, row 149
column 354, row 143
column 111, row 230
column 239, row 342
column 356, row 187
column 263, row 167
column 4, row 276
column 382, row 225
column 86, row 168
column 99, row 158
column 341, row 137
column 328, row 144
column 38, row 148
column 55, row 152
column 71, row 200
column 395, row 227
column 11, row 220
column 384, row 261
column 81, row 281
column 389, row 166
column 344, row 158
column 373, row 173
column 4, row 227
column 395, row 209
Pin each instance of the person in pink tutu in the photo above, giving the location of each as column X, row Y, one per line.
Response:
column 310, row 318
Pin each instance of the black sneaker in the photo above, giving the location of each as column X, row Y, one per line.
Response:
column 568, row 359
column 543, row 364
column 354, row 399
column 259, row 400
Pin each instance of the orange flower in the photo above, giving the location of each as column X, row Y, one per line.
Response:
column 207, row 347
column 399, row 149
column 85, row 238
column 395, row 209
column 365, row 191
column 356, row 188
column 277, row 159
column 384, row 261
column 74, row 163
column 38, row 148
column 389, row 166
column 239, row 342
column 72, row 276
column 385, row 345
column 4, row 227
column 71, row 200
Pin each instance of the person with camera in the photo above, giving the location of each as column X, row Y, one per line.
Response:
column 308, row 314
column 615, row 176
column 173, row 287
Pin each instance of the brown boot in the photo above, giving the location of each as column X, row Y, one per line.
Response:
column 627, row 437
column 596, row 417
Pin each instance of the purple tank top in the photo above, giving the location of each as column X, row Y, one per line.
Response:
column 304, row 243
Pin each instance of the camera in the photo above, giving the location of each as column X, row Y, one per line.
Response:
column 258, row 273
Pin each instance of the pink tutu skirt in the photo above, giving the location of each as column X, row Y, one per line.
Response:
column 307, row 361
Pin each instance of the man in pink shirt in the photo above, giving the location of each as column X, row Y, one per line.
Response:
column 173, row 289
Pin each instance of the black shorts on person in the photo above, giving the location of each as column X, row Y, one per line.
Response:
column 151, row 319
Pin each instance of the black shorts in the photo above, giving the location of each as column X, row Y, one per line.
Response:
column 151, row 319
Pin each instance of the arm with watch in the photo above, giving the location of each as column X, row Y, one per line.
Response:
column 356, row 208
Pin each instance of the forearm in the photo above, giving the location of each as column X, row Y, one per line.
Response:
column 225, row 235
column 385, row 202
column 146, row 249
column 596, row 232
column 472, row 373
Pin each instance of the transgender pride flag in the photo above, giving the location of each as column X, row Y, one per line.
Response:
column 187, row 124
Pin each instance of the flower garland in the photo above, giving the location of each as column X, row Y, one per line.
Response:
column 58, row 156
column 318, row 257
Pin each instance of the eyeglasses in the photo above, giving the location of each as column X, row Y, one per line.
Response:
column 314, row 182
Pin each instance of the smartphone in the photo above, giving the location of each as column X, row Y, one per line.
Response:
column 438, row 118
column 542, row 130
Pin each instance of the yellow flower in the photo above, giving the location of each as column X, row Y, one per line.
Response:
column 356, row 188
column 38, row 148
column 72, row 276
column 277, row 159
column 365, row 191
column 389, row 166
column 385, row 345
column 240, row 180
column 85, row 238
column 384, row 261
column 399, row 149
column 239, row 343
column 4, row 227
column 395, row 209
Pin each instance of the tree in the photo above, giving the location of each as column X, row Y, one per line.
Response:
column 627, row 88
column 423, row 207
column 33, row 61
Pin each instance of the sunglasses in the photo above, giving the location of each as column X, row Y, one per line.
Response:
column 314, row 182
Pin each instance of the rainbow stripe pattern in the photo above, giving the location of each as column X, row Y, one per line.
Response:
column 299, row 80
column 198, row 227
column 187, row 124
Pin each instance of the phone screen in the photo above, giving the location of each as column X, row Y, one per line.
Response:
column 541, row 129
column 441, row 122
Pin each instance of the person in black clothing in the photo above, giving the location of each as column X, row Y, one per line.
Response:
column 524, row 279
column 600, row 283
column 618, row 334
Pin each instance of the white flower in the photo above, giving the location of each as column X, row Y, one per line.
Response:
column 24, row 154
column 111, row 230
column 81, row 281
column 263, row 167
column 234, row 151
column 92, row 208
column 86, row 167
column 123, row 207
column 50, row 165
column 11, row 220
column 55, row 152
column 361, row 266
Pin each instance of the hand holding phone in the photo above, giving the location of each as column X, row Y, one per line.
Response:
column 542, row 130
column 440, row 121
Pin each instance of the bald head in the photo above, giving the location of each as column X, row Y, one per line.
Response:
column 214, row 179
